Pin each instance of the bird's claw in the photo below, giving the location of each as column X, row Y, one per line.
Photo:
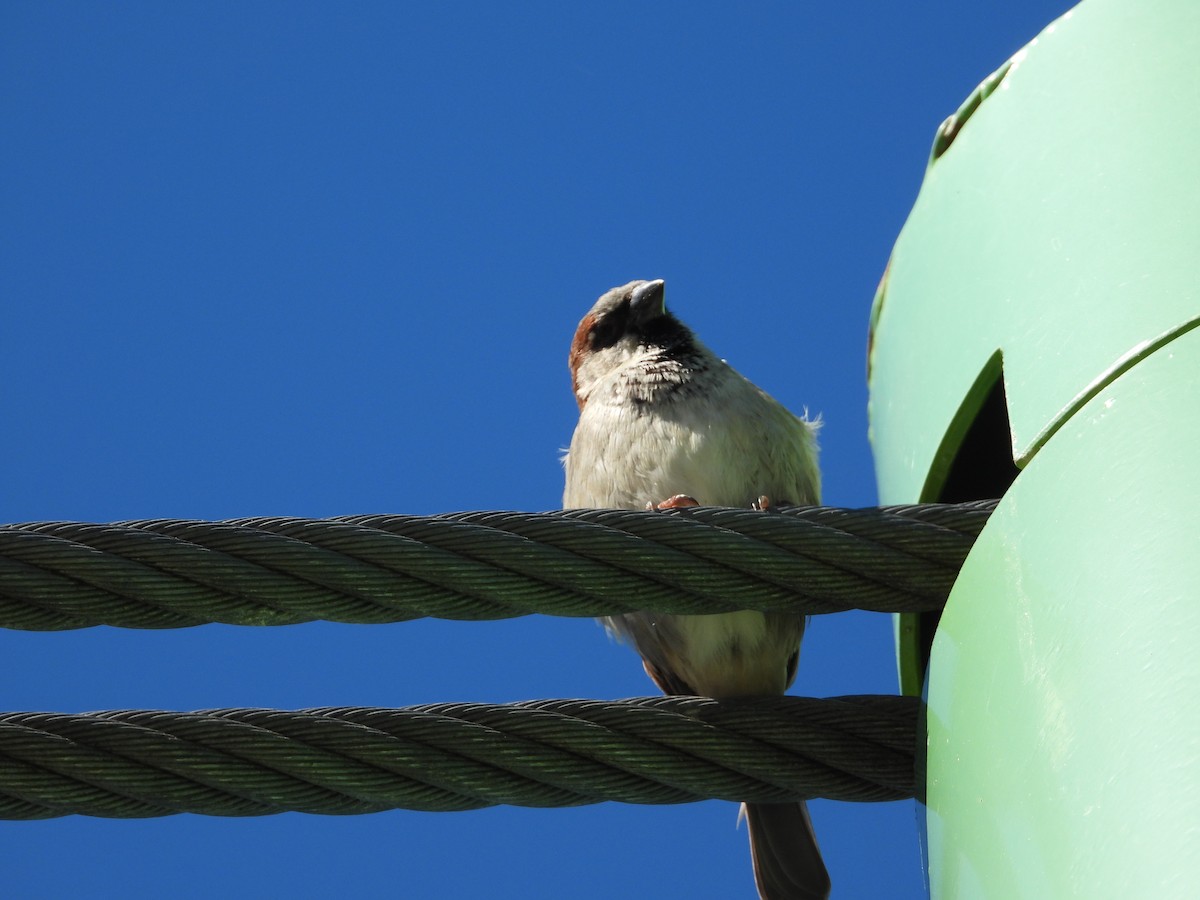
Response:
column 679, row 501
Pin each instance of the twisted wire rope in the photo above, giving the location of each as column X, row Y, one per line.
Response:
column 455, row 756
column 167, row 573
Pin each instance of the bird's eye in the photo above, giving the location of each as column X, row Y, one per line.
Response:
column 792, row 664
column 610, row 327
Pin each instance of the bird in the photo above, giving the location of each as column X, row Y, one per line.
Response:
column 664, row 423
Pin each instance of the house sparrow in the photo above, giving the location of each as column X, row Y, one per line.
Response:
column 664, row 422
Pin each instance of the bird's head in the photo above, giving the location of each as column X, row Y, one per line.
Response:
column 626, row 323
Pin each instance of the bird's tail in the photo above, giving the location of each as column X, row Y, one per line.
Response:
column 783, row 846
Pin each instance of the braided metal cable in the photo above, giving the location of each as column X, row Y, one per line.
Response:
column 166, row 573
column 454, row 756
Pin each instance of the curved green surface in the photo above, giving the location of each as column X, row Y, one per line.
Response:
column 1053, row 237
column 1059, row 228
column 1064, row 726
column 1054, row 243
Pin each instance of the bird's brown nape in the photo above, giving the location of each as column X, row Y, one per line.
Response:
column 579, row 348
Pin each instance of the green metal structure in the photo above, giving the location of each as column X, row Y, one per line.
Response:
column 1034, row 340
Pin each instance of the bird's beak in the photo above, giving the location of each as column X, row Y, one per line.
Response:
column 648, row 301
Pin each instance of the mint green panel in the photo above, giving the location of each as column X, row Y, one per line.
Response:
column 1063, row 707
column 1059, row 227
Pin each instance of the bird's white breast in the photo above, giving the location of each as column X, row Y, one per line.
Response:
column 724, row 443
column 720, row 440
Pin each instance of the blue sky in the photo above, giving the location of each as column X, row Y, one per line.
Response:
column 321, row 259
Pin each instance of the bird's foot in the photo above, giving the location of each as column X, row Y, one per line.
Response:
column 679, row 501
column 763, row 503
